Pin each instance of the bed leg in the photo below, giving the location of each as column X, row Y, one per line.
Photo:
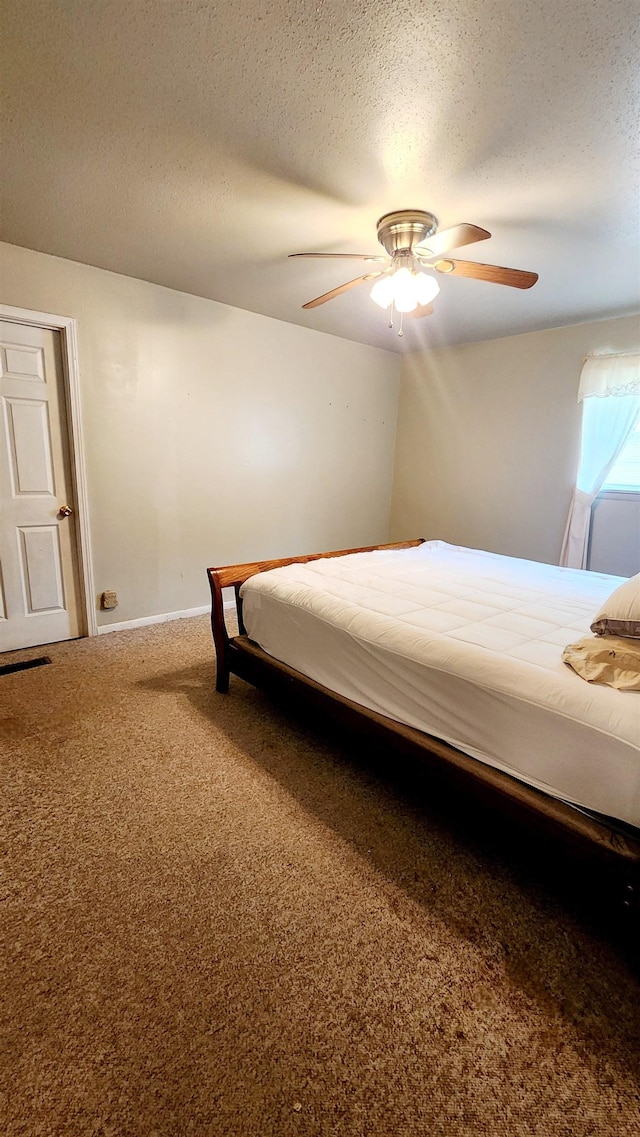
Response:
column 222, row 679
column 220, row 635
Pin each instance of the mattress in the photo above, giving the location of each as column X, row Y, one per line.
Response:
column 465, row 645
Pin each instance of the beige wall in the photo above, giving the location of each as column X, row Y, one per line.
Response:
column 489, row 435
column 213, row 435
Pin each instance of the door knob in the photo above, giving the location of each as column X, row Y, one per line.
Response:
column 65, row 511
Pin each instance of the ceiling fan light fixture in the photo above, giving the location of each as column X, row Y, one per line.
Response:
column 405, row 290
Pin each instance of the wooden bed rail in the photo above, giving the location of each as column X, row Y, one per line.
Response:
column 234, row 576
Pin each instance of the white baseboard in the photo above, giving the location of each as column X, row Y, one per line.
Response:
column 162, row 618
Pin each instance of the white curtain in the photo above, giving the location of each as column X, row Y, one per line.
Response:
column 610, row 393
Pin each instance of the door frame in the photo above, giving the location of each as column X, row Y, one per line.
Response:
column 67, row 327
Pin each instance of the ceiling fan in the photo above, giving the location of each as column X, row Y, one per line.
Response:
column 412, row 244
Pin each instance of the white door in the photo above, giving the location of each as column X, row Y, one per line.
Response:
column 39, row 592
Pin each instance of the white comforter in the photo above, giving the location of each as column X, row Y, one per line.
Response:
column 465, row 645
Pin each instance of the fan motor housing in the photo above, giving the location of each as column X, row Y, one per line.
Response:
column 405, row 228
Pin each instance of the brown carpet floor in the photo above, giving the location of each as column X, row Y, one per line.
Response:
column 218, row 920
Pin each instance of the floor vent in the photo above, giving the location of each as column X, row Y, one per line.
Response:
column 8, row 668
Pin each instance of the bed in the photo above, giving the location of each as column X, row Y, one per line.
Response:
column 455, row 655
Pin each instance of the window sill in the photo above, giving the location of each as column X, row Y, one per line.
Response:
column 618, row 495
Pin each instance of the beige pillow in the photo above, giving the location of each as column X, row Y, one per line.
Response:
column 620, row 614
column 612, row 660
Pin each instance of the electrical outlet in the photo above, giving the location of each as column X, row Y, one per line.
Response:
column 109, row 599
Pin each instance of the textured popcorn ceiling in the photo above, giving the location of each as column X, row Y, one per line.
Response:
column 194, row 144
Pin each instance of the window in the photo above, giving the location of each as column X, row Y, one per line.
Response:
column 609, row 391
column 624, row 475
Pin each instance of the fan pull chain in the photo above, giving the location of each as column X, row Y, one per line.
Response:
column 392, row 310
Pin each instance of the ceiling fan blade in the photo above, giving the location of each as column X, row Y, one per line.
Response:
column 421, row 310
column 344, row 256
column 341, row 288
column 454, row 238
column 496, row 274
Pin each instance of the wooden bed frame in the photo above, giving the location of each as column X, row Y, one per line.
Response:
column 611, row 849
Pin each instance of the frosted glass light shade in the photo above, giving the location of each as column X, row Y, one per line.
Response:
column 405, row 290
column 427, row 287
column 382, row 291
